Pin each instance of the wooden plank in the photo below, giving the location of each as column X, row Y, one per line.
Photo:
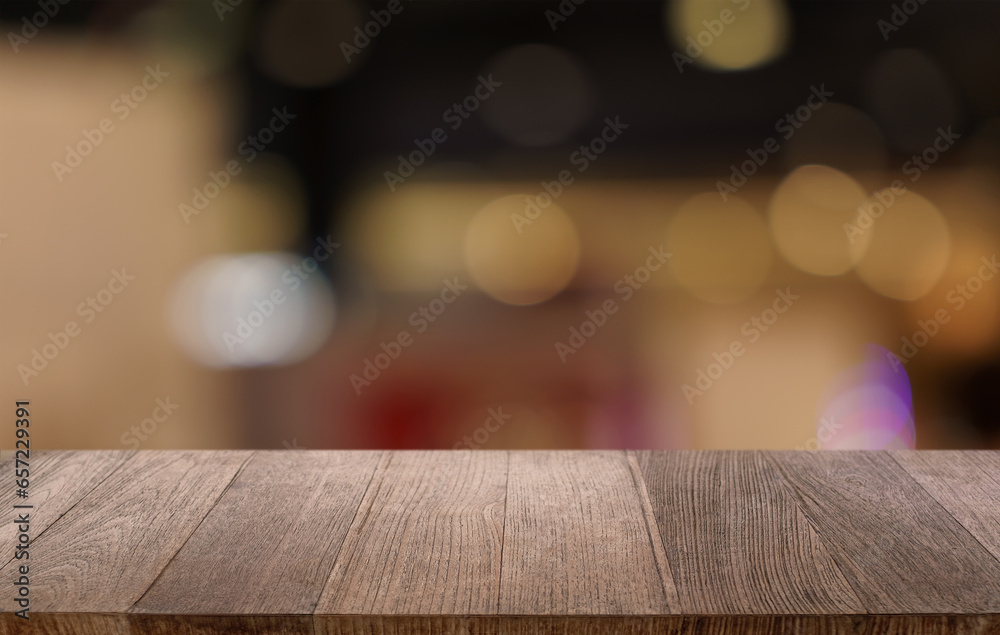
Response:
column 899, row 549
column 143, row 624
column 136, row 624
column 58, row 480
column 427, row 539
column 405, row 625
column 752, row 625
column 107, row 550
column 269, row 544
column 966, row 483
column 589, row 625
column 736, row 541
column 522, row 543
column 65, row 624
column 126, row 624
column 577, row 541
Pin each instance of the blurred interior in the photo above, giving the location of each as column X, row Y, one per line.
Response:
column 347, row 359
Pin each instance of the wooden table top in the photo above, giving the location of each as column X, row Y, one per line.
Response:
column 524, row 542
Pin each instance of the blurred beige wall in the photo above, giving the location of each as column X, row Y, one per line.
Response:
column 116, row 211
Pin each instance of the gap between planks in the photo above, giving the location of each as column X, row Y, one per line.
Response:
column 208, row 511
column 653, row 532
column 503, row 529
column 131, row 456
column 383, row 462
column 936, row 497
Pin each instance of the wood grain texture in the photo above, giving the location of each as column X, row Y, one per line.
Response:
column 405, row 625
column 107, row 550
column 65, row 624
column 88, row 624
column 427, row 538
column 752, row 625
column 58, row 480
column 736, row 540
column 967, row 484
column 286, row 516
column 125, row 624
column 649, row 517
column 897, row 546
column 141, row 624
column 577, row 541
column 514, row 543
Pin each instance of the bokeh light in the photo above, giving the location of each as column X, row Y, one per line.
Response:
column 807, row 214
column 909, row 247
column 521, row 263
column 252, row 310
column 757, row 31
column 868, row 407
column 545, row 96
column 102, row 171
column 721, row 249
column 411, row 239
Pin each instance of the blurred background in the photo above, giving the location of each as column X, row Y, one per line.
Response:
column 545, row 224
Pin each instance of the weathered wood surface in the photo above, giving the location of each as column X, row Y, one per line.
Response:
column 325, row 542
column 426, row 539
column 287, row 515
column 578, row 542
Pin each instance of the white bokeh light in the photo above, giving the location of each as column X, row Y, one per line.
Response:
column 252, row 310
